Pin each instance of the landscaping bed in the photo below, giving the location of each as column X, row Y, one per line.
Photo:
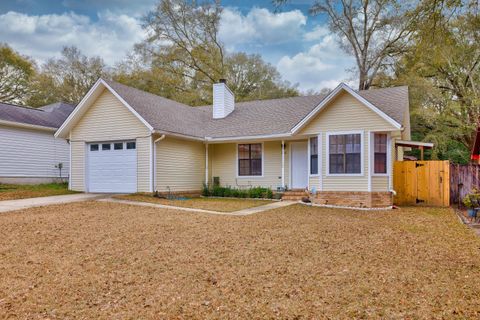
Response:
column 98, row 260
column 20, row 191
column 214, row 204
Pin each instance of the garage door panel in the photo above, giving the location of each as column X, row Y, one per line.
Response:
column 112, row 170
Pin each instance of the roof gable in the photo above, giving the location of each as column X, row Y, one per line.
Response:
column 331, row 96
column 91, row 96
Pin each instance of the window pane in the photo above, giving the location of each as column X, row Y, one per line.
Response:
column 244, row 151
column 380, row 142
column 314, row 145
column 336, row 163
column 353, row 163
column 256, row 167
column 313, row 164
column 256, row 151
column 106, row 146
column 250, row 159
column 131, row 145
column 94, row 147
column 380, row 164
column 345, row 153
column 118, row 146
column 380, row 155
column 243, row 167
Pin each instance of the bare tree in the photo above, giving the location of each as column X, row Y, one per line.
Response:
column 373, row 31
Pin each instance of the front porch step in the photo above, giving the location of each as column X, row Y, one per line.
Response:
column 294, row 195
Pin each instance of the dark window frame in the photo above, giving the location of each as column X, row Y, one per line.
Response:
column 313, row 145
column 120, row 144
column 249, row 165
column 94, row 147
column 105, row 148
column 345, row 152
column 380, row 153
column 129, row 144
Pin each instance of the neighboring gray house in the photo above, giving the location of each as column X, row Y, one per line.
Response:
column 29, row 152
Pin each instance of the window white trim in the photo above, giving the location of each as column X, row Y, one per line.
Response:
column 362, row 154
column 371, row 154
column 310, row 158
column 263, row 162
column 320, row 162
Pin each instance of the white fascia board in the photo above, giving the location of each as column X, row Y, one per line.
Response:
column 247, row 138
column 85, row 103
column 26, row 125
column 333, row 94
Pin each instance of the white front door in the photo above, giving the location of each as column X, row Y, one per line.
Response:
column 299, row 164
column 112, row 167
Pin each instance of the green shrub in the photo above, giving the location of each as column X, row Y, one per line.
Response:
column 255, row 192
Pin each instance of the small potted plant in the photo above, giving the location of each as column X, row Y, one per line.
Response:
column 471, row 202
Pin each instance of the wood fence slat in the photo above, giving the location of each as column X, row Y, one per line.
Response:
column 422, row 183
column 463, row 179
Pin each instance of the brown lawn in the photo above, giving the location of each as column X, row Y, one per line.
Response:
column 96, row 260
column 17, row 191
column 214, row 204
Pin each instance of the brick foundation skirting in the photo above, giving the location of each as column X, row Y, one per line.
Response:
column 357, row 199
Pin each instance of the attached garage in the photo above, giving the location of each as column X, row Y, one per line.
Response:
column 112, row 167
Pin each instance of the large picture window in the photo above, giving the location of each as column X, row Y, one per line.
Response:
column 314, row 155
column 345, row 154
column 380, row 153
column 250, row 159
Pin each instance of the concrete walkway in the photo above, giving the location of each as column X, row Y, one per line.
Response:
column 243, row 212
column 11, row 205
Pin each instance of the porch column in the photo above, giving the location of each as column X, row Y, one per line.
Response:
column 206, row 164
column 283, row 164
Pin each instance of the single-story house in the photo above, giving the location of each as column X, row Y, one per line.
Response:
column 29, row 152
column 340, row 145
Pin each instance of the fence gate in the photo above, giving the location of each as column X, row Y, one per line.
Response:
column 422, row 183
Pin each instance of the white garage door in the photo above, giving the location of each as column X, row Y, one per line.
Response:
column 112, row 167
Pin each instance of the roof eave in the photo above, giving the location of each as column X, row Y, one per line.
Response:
column 27, row 125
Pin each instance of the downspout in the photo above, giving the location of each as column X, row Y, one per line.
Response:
column 154, row 161
column 283, row 164
column 206, row 165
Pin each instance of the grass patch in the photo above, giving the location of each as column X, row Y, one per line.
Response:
column 98, row 260
column 214, row 204
column 20, row 191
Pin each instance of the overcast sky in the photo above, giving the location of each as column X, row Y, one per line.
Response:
column 300, row 46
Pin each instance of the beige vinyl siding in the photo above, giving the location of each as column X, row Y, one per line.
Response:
column 345, row 113
column 380, row 183
column 77, row 179
column 224, row 165
column 180, row 165
column 108, row 119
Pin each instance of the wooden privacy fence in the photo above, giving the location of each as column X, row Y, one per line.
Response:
column 463, row 178
column 422, row 183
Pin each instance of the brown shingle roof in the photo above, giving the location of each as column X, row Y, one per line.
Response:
column 52, row 115
column 260, row 117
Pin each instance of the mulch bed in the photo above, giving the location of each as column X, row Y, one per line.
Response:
column 96, row 260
